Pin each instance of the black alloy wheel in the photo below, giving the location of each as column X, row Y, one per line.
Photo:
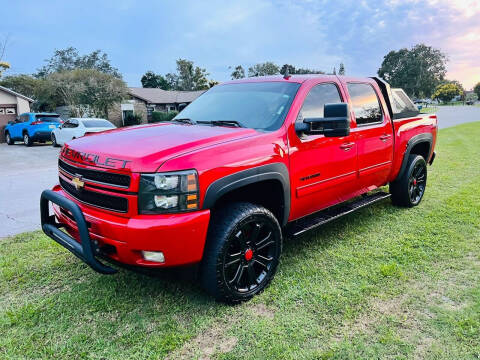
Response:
column 417, row 182
column 250, row 255
column 409, row 188
column 242, row 252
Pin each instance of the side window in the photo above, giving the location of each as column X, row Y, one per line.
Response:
column 317, row 97
column 68, row 124
column 365, row 103
column 402, row 105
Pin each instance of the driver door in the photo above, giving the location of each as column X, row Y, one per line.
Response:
column 323, row 169
column 67, row 132
column 16, row 128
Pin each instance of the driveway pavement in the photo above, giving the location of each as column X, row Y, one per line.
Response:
column 25, row 172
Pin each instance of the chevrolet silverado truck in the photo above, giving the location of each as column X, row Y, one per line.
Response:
column 245, row 165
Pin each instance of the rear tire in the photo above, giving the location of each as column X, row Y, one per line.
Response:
column 54, row 141
column 8, row 139
column 242, row 252
column 27, row 140
column 408, row 190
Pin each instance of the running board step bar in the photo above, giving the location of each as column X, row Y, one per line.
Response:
column 322, row 217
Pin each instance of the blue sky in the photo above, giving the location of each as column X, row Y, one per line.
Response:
column 150, row 35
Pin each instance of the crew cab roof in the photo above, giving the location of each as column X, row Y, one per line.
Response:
column 298, row 78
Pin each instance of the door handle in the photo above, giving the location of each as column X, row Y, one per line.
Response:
column 347, row 146
column 385, row 137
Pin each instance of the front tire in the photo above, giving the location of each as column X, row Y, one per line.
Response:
column 242, row 252
column 8, row 139
column 408, row 190
column 27, row 140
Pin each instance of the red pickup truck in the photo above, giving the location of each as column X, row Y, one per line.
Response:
column 245, row 165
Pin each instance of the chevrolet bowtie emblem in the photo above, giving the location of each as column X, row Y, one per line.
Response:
column 78, row 182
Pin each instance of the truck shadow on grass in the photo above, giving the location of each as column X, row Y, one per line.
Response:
column 185, row 281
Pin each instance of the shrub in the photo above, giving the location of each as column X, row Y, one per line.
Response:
column 132, row 119
column 447, row 92
column 158, row 116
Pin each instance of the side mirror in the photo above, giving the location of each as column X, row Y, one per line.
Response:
column 335, row 123
column 182, row 106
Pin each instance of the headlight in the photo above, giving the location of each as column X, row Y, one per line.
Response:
column 168, row 192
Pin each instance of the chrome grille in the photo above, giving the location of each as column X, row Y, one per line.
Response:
column 101, row 177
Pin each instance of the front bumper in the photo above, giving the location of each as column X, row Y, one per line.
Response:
column 181, row 237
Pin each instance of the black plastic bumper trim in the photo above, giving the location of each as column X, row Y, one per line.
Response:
column 84, row 251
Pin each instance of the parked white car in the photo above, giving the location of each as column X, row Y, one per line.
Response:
column 77, row 127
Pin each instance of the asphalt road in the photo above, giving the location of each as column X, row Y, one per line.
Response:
column 449, row 116
column 26, row 171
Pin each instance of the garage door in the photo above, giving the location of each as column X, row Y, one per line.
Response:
column 8, row 112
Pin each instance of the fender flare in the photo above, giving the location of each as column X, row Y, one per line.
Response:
column 274, row 171
column 417, row 139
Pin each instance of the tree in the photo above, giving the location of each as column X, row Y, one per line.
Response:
column 69, row 59
column 418, row 71
column 476, row 89
column 447, row 92
column 3, row 64
column 187, row 78
column 238, row 73
column 308, row 71
column 263, row 69
column 458, row 84
column 172, row 80
column 191, row 77
column 291, row 69
column 86, row 91
column 212, row 83
column 23, row 84
column 152, row 80
column 341, row 69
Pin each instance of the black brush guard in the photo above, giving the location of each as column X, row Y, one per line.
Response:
column 84, row 251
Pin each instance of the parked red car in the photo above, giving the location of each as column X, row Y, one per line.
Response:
column 246, row 164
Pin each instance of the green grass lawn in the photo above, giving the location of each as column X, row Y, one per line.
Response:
column 428, row 109
column 384, row 282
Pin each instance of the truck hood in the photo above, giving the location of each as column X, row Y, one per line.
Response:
column 145, row 148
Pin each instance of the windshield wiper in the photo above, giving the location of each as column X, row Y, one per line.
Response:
column 185, row 120
column 222, row 123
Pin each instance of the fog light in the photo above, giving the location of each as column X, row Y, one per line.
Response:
column 156, row 256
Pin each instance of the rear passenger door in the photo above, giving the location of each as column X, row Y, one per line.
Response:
column 374, row 135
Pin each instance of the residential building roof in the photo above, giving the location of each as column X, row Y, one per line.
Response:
column 2, row 88
column 159, row 96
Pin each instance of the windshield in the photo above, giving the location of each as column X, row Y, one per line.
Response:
column 97, row 123
column 257, row 105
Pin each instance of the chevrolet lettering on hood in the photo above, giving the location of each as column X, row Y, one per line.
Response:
column 94, row 159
